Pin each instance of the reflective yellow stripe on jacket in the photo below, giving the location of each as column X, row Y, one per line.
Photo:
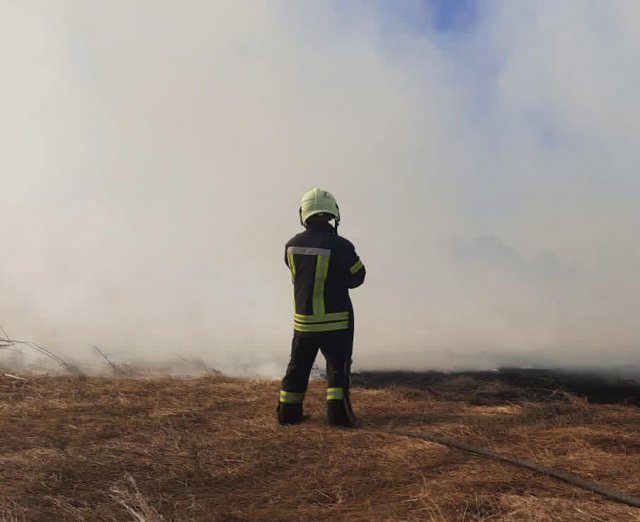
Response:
column 324, row 318
column 319, row 320
column 331, row 322
column 322, row 327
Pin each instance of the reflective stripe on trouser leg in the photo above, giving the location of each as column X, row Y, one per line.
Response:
column 291, row 397
column 335, row 394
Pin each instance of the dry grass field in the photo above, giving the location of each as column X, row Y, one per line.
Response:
column 150, row 449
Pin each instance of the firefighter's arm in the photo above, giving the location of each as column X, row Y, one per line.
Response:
column 356, row 271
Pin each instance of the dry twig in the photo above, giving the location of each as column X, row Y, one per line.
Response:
column 6, row 343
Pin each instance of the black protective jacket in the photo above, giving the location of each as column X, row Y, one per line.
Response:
column 324, row 266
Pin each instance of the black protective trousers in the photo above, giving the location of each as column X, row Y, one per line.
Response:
column 337, row 349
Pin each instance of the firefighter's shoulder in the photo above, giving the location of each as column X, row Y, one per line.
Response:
column 295, row 240
column 344, row 243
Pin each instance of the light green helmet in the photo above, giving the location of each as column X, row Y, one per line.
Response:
column 318, row 201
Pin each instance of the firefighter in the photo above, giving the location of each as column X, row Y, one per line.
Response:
column 324, row 266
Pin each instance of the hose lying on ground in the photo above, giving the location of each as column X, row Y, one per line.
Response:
column 569, row 478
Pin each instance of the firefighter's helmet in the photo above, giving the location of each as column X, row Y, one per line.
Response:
column 318, row 201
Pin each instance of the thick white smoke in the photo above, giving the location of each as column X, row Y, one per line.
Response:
column 153, row 154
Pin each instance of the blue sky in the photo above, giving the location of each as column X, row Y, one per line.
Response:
column 454, row 15
column 425, row 16
column 450, row 26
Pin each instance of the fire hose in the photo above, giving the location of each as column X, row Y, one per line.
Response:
column 564, row 476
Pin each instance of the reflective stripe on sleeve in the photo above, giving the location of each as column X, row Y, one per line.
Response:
column 291, row 397
column 356, row 267
column 335, row 394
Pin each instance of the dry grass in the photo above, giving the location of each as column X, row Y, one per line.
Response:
column 209, row 449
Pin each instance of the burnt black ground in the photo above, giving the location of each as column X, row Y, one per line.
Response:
column 597, row 387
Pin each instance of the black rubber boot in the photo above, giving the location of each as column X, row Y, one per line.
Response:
column 353, row 420
column 290, row 414
column 339, row 414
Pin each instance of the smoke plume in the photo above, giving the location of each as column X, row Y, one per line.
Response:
column 154, row 152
